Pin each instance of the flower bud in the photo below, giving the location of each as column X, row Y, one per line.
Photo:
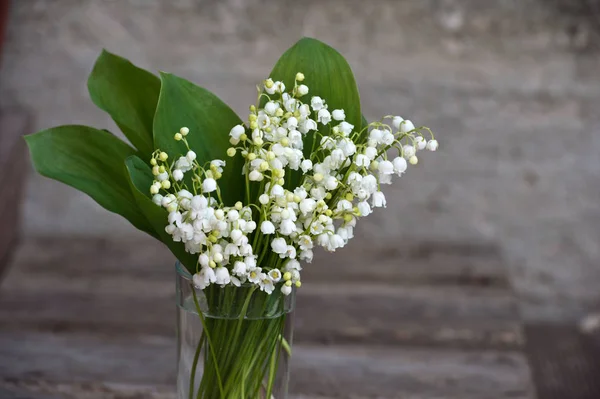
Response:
column 191, row 156
column 264, row 165
column 413, row 160
column 299, row 76
column 177, row 175
column 163, row 156
column 239, row 205
column 153, row 161
column 155, row 170
column 263, row 199
column 166, row 184
column 251, row 156
column 302, row 90
column 219, row 214
column 184, row 131
column 178, row 136
column 231, row 152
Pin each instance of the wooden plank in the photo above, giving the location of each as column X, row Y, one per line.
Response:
column 326, row 319
column 103, row 286
column 414, row 262
column 411, row 263
column 340, row 372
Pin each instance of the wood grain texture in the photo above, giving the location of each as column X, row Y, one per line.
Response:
column 337, row 372
column 88, row 318
column 118, row 279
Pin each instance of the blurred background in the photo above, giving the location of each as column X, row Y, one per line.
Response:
column 481, row 279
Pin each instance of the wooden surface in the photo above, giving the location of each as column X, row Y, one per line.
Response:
column 86, row 318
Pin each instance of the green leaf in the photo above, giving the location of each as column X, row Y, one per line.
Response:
column 140, row 180
column 91, row 161
column 327, row 75
column 182, row 103
column 129, row 94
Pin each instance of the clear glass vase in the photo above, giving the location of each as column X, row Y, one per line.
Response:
column 232, row 342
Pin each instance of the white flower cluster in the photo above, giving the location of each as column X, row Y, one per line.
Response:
column 339, row 182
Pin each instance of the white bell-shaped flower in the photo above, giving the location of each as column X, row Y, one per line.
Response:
column 209, row 185
column 338, row 114
column 267, row 227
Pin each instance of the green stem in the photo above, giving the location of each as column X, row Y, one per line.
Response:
column 195, row 365
column 210, row 345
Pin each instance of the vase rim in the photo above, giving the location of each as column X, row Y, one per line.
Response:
column 182, row 271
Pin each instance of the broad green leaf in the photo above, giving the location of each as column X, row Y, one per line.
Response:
column 91, row 161
column 327, row 75
column 140, row 180
column 182, row 103
column 129, row 94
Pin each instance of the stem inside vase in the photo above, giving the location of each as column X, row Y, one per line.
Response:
column 241, row 343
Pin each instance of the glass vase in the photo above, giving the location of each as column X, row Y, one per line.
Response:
column 232, row 342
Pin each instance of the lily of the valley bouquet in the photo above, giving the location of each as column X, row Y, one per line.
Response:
column 241, row 204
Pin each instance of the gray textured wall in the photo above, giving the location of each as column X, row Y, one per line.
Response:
column 511, row 87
